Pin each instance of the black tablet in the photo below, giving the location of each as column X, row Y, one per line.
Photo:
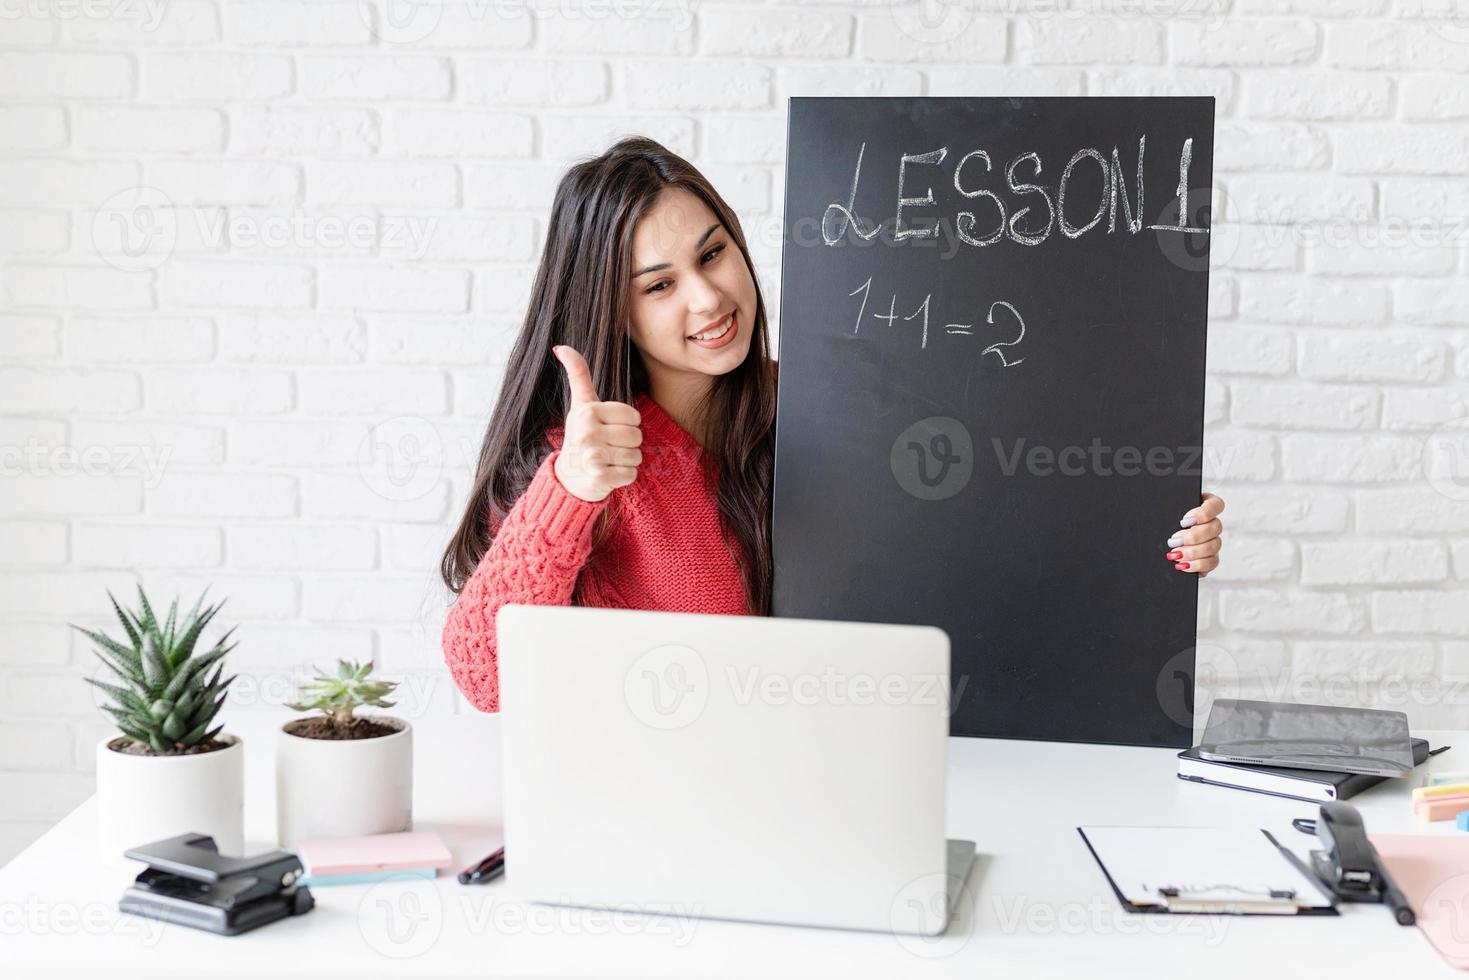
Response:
column 1308, row 736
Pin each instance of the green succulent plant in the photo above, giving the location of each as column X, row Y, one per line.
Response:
column 168, row 695
column 337, row 696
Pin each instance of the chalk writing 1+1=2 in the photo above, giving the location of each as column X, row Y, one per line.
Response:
column 966, row 329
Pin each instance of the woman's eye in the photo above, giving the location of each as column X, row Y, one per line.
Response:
column 661, row 285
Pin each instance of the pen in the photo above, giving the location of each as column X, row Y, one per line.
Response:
column 487, row 869
column 1392, row 895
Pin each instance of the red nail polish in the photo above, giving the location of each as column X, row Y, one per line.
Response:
column 1174, row 555
column 1182, row 566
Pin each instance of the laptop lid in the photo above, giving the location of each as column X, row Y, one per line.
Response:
column 740, row 767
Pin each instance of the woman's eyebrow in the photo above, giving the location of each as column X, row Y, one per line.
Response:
column 664, row 265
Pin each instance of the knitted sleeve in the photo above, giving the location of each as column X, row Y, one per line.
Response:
column 537, row 553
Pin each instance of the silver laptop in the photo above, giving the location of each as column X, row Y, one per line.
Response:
column 736, row 767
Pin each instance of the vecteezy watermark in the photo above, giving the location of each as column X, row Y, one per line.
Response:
column 1209, row 236
column 148, row 14
column 401, row 459
column 1446, row 459
column 933, row 458
column 1448, row 902
column 1195, row 679
column 411, row 21
column 667, row 687
column 922, row 918
column 507, row 917
column 1450, row 19
column 1209, row 669
column 1391, row 689
column 401, row 21
column 941, row 21
column 1389, row 232
column 1100, row 459
column 1100, row 915
column 299, row 230
column 136, row 229
column 35, row 458
column 34, row 916
column 401, row 917
column 932, row 21
column 834, row 686
column 277, row 687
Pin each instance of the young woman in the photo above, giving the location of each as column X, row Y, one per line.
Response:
column 643, row 480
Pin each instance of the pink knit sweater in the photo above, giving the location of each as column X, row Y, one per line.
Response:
column 665, row 551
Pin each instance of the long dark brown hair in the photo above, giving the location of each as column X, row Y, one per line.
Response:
column 580, row 298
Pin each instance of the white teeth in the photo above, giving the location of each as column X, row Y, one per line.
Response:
column 716, row 334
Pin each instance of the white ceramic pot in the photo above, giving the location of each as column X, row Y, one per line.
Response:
column 144, row 798
column 343, row 788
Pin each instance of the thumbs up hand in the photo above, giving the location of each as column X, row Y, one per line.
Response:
column 600, row 451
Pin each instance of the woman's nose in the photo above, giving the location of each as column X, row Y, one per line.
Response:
column 704, row 296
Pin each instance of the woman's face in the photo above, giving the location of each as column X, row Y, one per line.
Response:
column 689, row 278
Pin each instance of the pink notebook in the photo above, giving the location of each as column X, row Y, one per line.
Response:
column 1433, row 872
column 375, row 852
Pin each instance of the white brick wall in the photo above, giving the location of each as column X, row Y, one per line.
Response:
column 279, row 390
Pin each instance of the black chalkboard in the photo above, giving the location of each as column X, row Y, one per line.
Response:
column 993, row 426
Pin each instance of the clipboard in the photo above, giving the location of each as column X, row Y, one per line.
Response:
column 1204, row 871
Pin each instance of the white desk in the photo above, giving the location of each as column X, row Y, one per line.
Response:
column 1039, row 906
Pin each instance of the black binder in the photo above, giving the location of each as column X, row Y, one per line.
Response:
column 1310, row 785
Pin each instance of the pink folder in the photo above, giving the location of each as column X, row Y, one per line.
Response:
column 375, row 852
column 1433, row 872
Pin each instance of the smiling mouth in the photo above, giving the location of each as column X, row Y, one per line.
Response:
column 714, row 333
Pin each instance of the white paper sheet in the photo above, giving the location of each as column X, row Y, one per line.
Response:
column 1204, row 863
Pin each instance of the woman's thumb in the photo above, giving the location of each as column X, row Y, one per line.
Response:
column 578, row 375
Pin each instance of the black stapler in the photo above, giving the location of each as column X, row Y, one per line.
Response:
column 189, row 883
column 1349, row 865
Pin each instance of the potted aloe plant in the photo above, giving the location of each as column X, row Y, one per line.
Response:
column 338, row 773
column 169, row 770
